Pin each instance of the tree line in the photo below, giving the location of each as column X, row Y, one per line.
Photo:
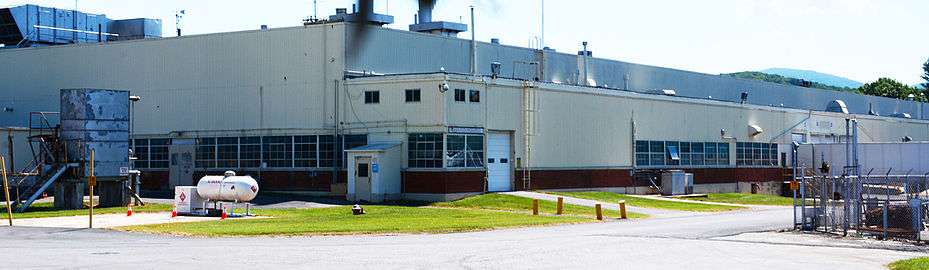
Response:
column 887, row 87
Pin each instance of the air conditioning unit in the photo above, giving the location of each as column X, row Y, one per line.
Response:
column 676, row 182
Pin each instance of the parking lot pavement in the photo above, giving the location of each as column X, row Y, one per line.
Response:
column 730, row 240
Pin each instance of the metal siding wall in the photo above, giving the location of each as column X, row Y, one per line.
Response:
column 392, row 51
column 212, row 82
column 577, row 129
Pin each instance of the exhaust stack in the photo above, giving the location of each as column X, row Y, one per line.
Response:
column 424, row 23
column 365, row 14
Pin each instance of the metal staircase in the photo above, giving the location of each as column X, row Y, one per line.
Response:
column 33, row 189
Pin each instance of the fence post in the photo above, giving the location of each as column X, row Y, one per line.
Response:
column 599, row 212
column 560, row 207
column 884, row 216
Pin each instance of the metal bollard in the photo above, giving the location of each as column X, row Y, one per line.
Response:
column 559, row 209
column 622, row 209
column 535, row 207
column 599, row 212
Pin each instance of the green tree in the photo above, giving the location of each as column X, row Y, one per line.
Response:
column 926, row 77
column 886, row 87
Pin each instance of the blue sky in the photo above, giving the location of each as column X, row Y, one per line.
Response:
column 859, row 39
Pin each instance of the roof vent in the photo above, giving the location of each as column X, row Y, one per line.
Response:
column 871, row 110
column 424, row 23
column 837, row 106
column 754, row 130
column 364, row 14
column 495, row 69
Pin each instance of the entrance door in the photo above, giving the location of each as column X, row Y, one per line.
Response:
column 499, row 160
column 363, row 179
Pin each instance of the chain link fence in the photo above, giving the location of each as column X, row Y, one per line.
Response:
column 887, row 206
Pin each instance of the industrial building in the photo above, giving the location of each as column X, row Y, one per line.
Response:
column 346, row 107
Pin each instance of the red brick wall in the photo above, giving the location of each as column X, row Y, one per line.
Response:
column 730, row 175
column 443, row 182
column 599, row 178
column 269, row 180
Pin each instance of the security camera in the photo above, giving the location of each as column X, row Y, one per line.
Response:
column 722, row 132
column 443, row 87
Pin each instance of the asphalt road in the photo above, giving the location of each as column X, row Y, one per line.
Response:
column 734, row 240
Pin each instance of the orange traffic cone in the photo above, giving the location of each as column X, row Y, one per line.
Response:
column 223, row 216
column 129, row 212
column 174, row 212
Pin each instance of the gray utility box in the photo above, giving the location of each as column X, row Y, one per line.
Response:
column 676, row 182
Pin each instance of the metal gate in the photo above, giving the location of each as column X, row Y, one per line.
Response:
column 884, row 206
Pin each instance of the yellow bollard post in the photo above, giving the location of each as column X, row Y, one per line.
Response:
column 559, row 209
column 622, row 209
column 6, row 191
column 599, row 212
column 535, row 207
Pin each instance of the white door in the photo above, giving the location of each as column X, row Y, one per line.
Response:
column 499, row 160
column 363, row 179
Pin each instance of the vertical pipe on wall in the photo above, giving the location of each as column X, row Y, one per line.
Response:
column 335, row 134
column 9, row 149
column 848, row 146
column 473, row 45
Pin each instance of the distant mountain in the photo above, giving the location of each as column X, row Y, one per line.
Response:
column 774, row 78
column 813, row 76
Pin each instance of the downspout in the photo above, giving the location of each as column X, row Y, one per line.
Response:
column 473, row 45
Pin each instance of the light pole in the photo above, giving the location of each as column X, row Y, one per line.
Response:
column 135, row 182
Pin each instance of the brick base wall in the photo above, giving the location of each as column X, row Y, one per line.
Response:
column 449, row 182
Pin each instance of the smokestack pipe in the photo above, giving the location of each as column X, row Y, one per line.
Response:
column 473, row 45
column 425, row 10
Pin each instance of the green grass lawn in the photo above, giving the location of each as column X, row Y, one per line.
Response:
column 740, row 198
column 45, row 209
column 524, row 205
column 911, row 264
column 476, row 213
column 609, row 197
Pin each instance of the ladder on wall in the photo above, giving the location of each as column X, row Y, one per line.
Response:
column 529, row 107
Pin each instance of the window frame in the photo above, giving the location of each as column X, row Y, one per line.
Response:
column 426, row 150
column 474, row 96
column 372, row 97
column 472, row 158
column 661, row 154
column 412, row 95
column 461, row 95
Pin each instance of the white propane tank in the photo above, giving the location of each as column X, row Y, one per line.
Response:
column 228, row 187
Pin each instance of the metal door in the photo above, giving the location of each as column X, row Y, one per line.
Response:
column 499, row 162
column 363, row 179
column 181, row 168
